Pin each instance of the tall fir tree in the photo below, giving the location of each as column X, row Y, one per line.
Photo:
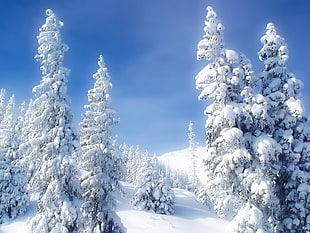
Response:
column 101, row 165
column 52, row 144
column 222, row 81
column 291, row 130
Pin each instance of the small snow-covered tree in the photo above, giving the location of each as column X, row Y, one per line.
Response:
column 228, row 123
column 291, row 130
column 152, row 192
column 52, row 144
column 13, row 183
column 101, row 165
column 193, row 177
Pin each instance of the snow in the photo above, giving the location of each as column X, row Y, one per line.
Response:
column 232, row 56
column 180, row 160
column 295, row 107
column 20, row 224
column 189, row 216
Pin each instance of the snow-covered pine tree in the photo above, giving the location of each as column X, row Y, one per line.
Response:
column 13, row 183
column 193, row 178
column 100, row 163
column 51, row 142
column 291, row 130
column 152, row 192
column 221, row 82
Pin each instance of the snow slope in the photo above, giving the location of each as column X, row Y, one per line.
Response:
column 180, row 160
column 189, row 216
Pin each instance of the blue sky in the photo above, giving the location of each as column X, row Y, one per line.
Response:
column 150, row 50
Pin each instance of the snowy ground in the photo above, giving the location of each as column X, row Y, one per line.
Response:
column 189, row 216
column 19, row 225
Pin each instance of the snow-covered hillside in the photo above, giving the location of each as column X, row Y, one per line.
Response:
column 189, row 216
column 180, row 160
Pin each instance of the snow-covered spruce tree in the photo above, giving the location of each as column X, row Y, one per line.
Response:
column 51, row 142
column 100, row 164
column 221, row 82
column 152, row 192
column 193, row 178
column 13, row 183
column 291, row 130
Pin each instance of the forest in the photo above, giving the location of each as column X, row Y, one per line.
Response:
column 256, row 158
